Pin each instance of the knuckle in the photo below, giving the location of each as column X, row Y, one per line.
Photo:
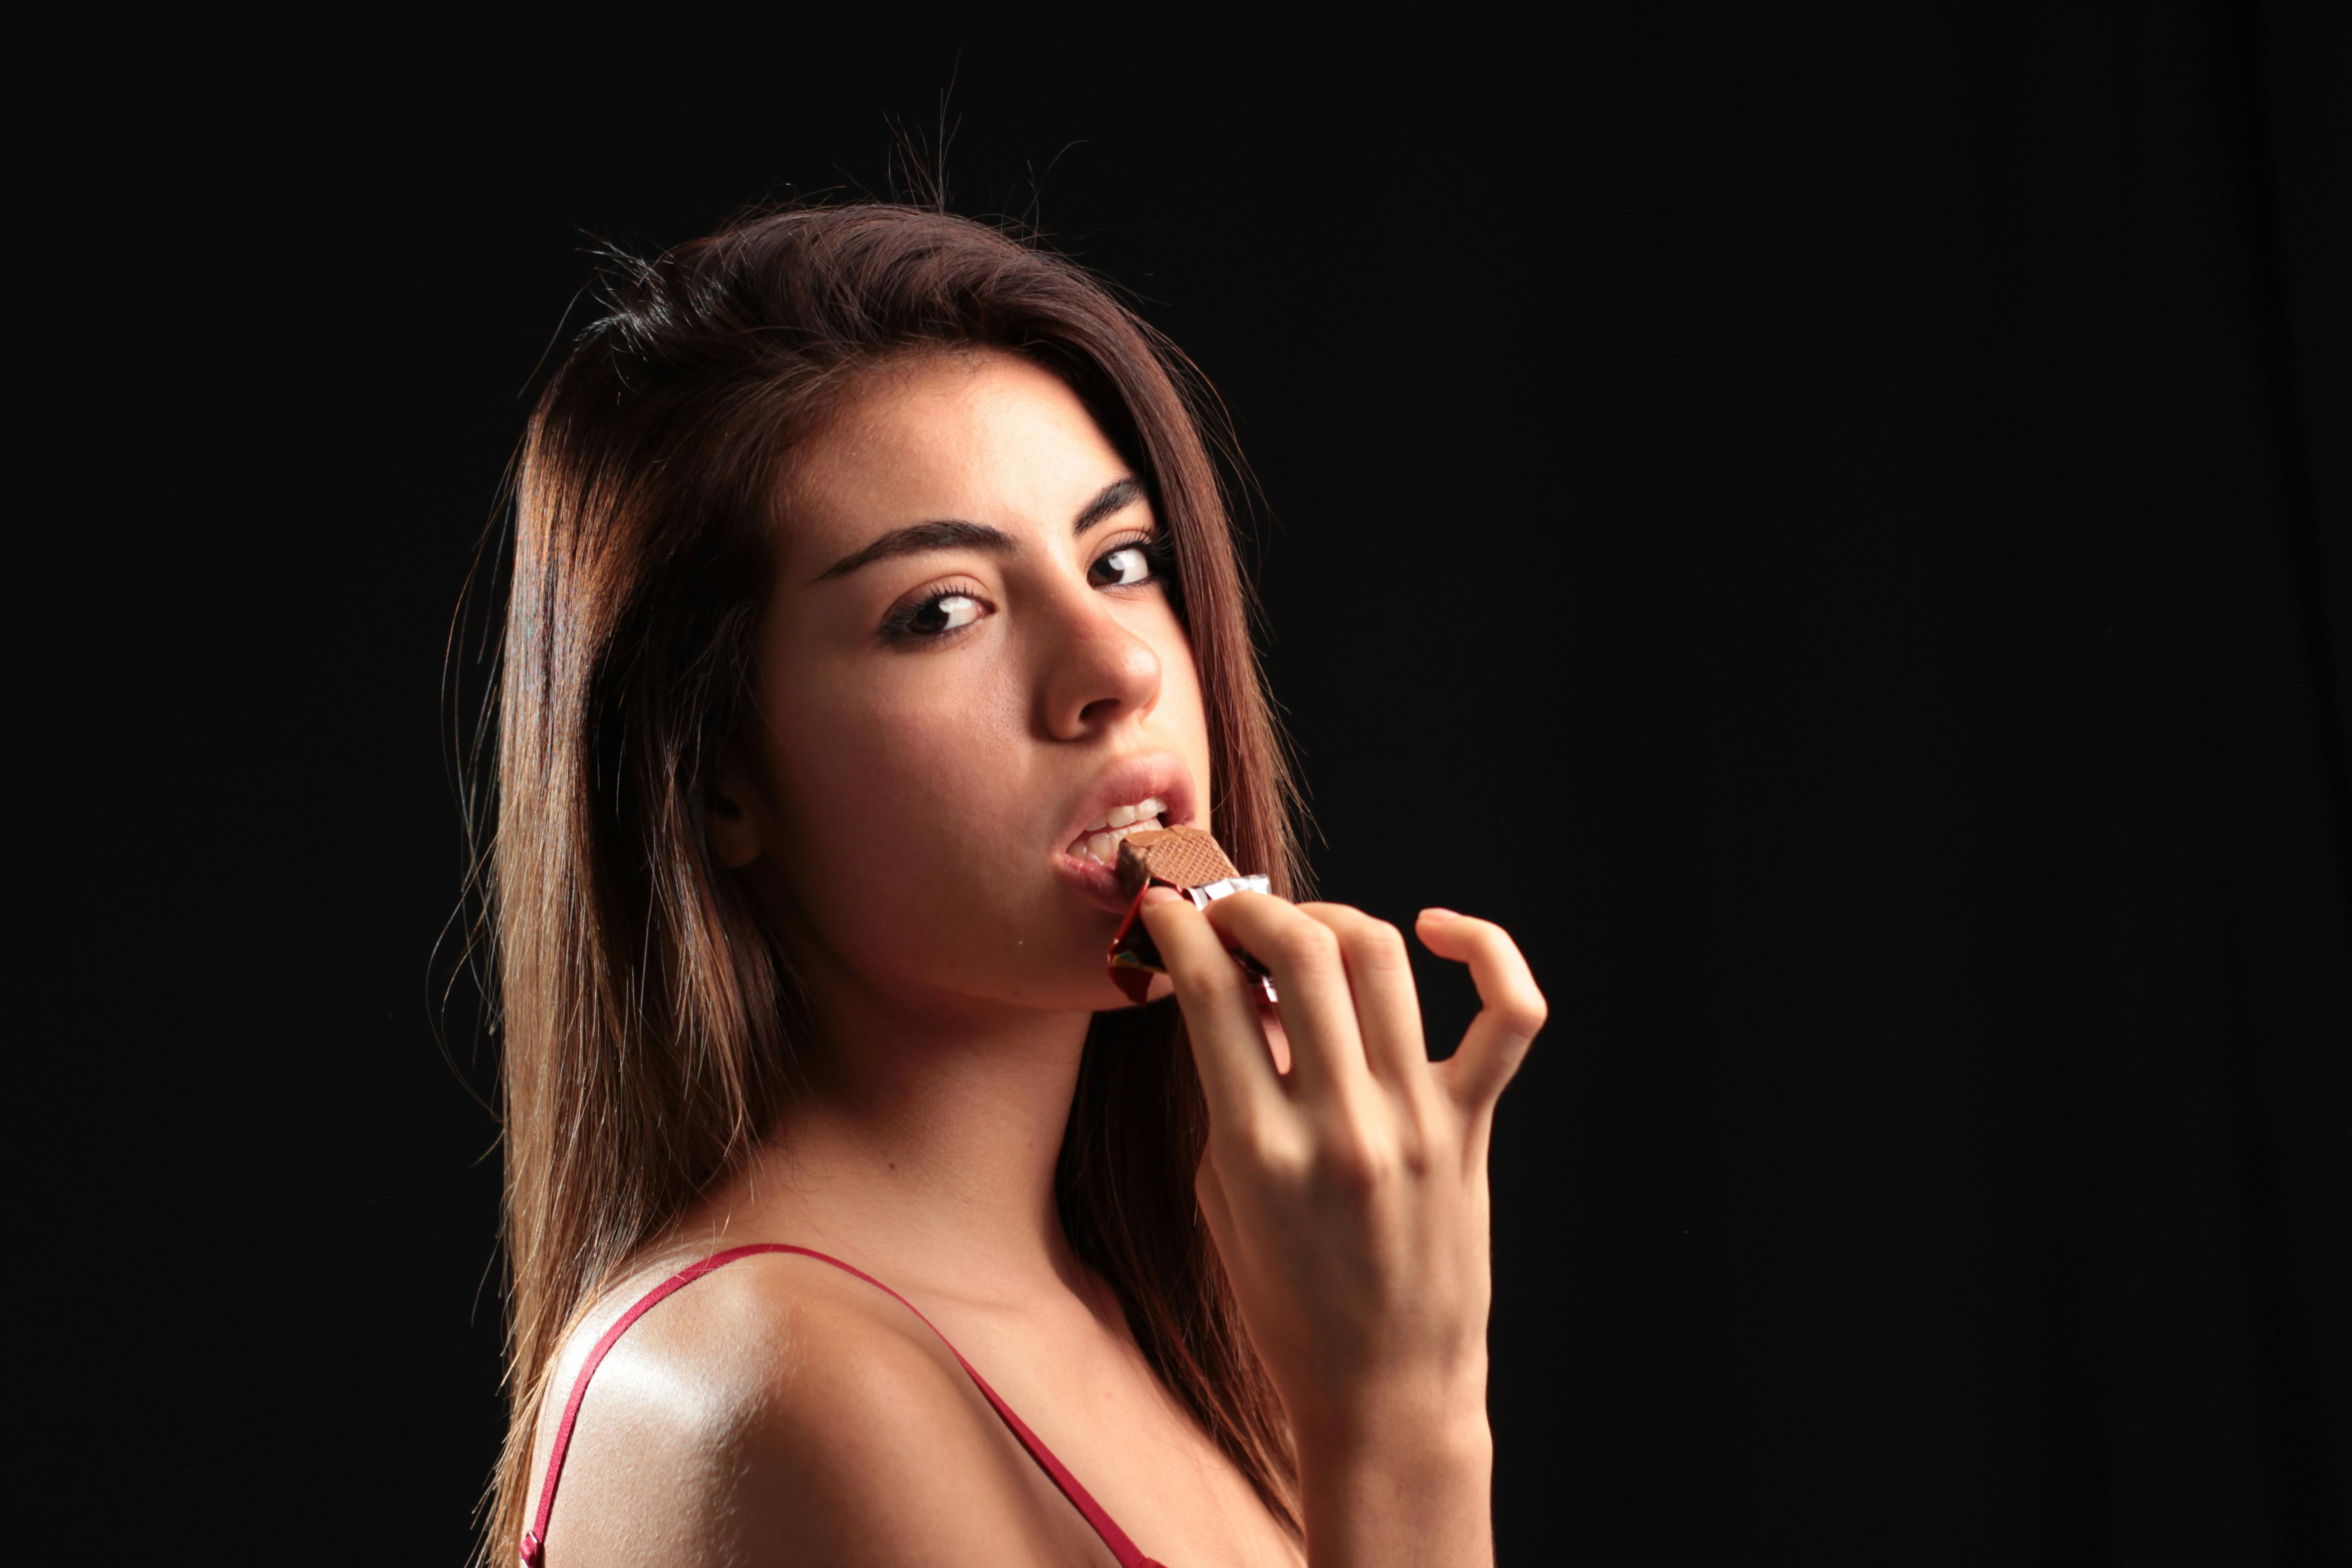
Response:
column 1418, row 1152
column 1353, row 1164
column 1267, row 1147
column 1282, row 1159
column 1306, row 945
column 1348, row 1171
column 1380, row 946
column 1206, row 982
column 1523, row 1011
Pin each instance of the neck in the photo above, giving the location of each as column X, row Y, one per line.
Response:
column 921, row 1145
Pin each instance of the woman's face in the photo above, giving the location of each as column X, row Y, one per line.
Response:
column 970, row 661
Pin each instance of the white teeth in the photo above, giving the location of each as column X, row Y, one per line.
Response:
column 1101, row 839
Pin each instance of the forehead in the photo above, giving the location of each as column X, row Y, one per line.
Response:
column 976, row 437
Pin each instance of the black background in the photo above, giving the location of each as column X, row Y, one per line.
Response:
column 1832, row 524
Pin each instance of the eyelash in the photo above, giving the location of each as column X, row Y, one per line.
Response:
column 900, row 627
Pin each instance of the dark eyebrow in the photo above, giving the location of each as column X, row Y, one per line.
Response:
column 916, row 537
column 947, row 534
column 1116, row 497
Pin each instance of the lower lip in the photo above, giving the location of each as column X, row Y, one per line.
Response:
column 1092, row 880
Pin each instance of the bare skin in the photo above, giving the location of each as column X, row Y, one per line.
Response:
column 942, row 726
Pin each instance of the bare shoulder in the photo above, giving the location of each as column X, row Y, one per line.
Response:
column 779, row 1411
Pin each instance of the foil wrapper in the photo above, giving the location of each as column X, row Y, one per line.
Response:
column 1191, row 863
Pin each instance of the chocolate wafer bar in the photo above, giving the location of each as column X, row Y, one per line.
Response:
column 1192, row 863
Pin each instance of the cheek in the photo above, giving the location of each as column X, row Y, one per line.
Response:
column 860, row 779
column 899, row 812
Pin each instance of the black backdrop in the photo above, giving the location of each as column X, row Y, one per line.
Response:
column 1832, row 524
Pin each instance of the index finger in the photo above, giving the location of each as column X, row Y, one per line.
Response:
column 1218, row 1002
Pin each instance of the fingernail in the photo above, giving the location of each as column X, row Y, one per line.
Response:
column 1438, row 915
column 1160, row 896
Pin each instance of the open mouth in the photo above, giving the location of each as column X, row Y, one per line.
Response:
column 1100, row 840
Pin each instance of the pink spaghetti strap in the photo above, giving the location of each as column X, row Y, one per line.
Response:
column 534, row 1539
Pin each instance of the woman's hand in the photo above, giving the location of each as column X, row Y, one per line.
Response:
column 1348, row 1199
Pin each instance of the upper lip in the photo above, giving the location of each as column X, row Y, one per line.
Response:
column 1127, row 781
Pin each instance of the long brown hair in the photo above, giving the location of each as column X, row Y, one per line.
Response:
column 649, row 1018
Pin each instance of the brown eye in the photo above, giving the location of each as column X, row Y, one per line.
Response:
column 942, row 613
column 1123, row 567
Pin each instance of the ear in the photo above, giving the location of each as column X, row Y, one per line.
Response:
column 736, row 814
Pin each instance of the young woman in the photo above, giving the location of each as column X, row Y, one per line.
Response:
column 870, row 579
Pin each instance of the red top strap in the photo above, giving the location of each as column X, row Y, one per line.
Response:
column 534, row 1539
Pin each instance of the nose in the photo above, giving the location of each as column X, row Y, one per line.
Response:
column 1096, row 670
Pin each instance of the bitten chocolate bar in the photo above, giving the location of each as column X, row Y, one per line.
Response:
column 1193, row 864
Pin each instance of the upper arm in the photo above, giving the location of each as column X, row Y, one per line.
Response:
column 782, row 1420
